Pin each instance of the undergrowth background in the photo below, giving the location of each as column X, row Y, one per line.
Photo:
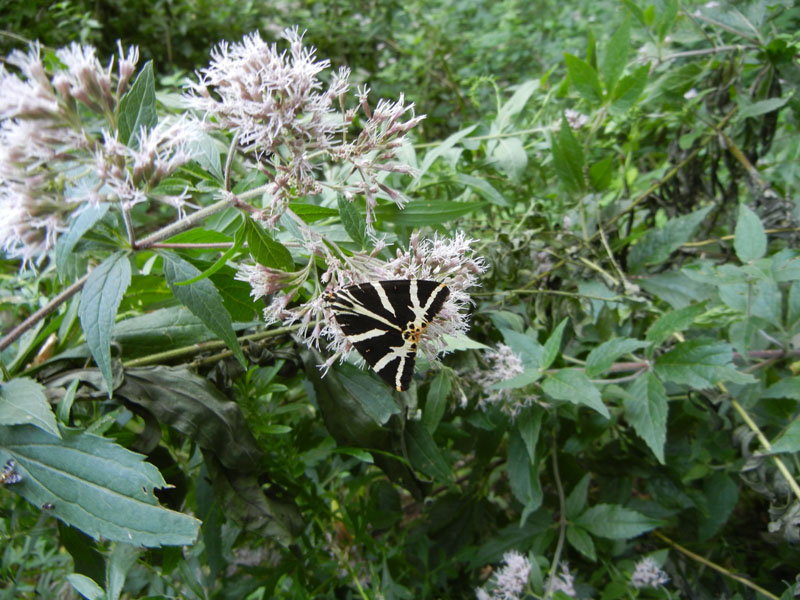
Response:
column 629, row 174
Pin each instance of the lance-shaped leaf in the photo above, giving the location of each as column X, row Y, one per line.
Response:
column 100, row 299
column 137, row 108
column 95, row 485
column 23, row 401
column 573, row 386
column 615, row 522
column 700, row 363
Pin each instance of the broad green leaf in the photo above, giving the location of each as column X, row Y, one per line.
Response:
column 523, row 473
column 525, row 346
column 601, row 172
column 552, row 346
column 205, row 150
column 677, row 289
column 436, row 152
column 120, row 560
column 603, row 356
column 222, row 260
column 788, row 387
column 426, row 212
column 673, row 322
column 462, row 342
column 515, row 104
column 100, row 299
column 761, row 107
column 568, row 158
column 616, row 54
column 529, row 424
column 656, row 245
column 699, row 363
column 23, row 401
column 527, row 377
column 424, row 455
column 666, row 19
column 95, row 485
column 646, row 410
column 354, row 224
column 137, row 108
column 629, row 89
column 203, row 299
column 750, row 241
column 789, row 440
column 580, row 539
column 436, row 400
column 760, row 298
column 483, row 188
column 721, row 495
column 510, row 157
column 374, row 397
column 165, row 329
column 86, row 586
column 572, row 385
column 267, row 251
column 311, row 212
column 85, row 220
column 615, row 522
column 583, row 76
column 575, row 502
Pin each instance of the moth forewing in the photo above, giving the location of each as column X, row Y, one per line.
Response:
column 384, row 321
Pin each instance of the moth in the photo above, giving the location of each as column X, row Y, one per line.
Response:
column 8, row 474
column 384, row 320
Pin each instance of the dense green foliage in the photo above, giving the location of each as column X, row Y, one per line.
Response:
column 629, row 174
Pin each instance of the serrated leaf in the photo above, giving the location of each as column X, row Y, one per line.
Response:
column 573, row 386
column 523, row 473
column 267, row 251
column 205, row 151
column 436, row 152
column 750, row 240
column 352, row 221
column 603, row 356
column 120, row 560
column 600, row 173
column 366, row 390
column 789, row 440
column 789, row 387
column 762, row 107
column 203, row 299
column 525, row 346
column 552, row 346
column 721, row 495
column 95, row 485
column 426, row 212
column 23, row 401
column 436, row 400
column 580, row 539
column 700, row 364
column 568, row 158
column 85, row 220
column 583, row 76
column 529, row 424
column 424, row 455
column 656, row 245
column 616, row 54
column 311, row 212
column 646, row 409
column 673, row 322
column 629, row 89
column 100, row 299
column 510, row 156
column 137, row 108
column 615, row 522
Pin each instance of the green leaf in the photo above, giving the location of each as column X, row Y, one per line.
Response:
column 628, row 90
column 205, row 151
column 23, row 401
column 424, row 455
column 552, row 346
column 86, row 586
column 788, row 387
column 656, row 245
column 483, row 188
column 667, row 18
column 85, row 220
column 374, row 397
column 573, row 386
column 576, row 501
column 120, row 560
column 525, row 346
column 523, row 473
column 100, row 299
column 568, row 158
column 600, row 173
column 616, row 54
column 510, row 157
column 436, row 152
column 311, row 212
column 761, row 107
column 95, row 485
column 354, row 224
column 426, row 212
column 529, row 424
column 750, row 240
column 137, row 108
column 203, row 299
column 603, row 356
column 583, row 76
column 615, row 522
column 646, row 409
column 699, row 363
column 721, row 495
column 673, row 322
column 267, row 251
column 580, row 539
column 436, row 400
column 789, row 440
